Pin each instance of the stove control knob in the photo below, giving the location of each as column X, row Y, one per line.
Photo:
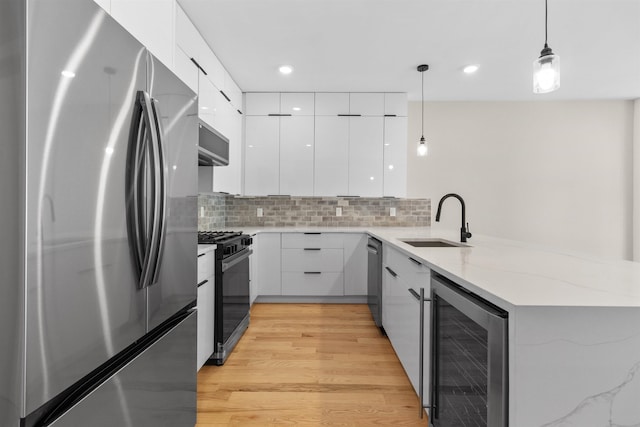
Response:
column 247, row 241
column 228, row 250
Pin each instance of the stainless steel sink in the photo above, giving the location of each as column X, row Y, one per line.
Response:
column 432, row 243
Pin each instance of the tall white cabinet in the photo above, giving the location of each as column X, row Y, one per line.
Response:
column 395, row 145
column 279, row 141
column 219, row 98
column 262, row 158
column 150, row 21
column 340, row 144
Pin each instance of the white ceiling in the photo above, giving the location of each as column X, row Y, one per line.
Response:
column 376, row 45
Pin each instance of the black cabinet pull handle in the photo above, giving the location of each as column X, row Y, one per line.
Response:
column 312, row 249
column 201, row 255
column 312, row 272
column 199, row 66
column 225, row 96
column 313, row 233
column 390, row 115
column 415, row 294
column 279, row 115
column 349, row 115
column 393, row 273
column 415, row 260
column 202, row 283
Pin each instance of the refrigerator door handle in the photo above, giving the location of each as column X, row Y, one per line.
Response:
column 135, row 157
column 160, row 200
column 141, row 188
column 149, row 181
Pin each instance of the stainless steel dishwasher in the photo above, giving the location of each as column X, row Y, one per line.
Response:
column 374, row 279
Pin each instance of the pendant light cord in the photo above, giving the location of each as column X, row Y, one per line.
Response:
column 545, row 23
column 422, row 116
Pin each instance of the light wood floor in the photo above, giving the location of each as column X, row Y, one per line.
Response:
column 309, row 364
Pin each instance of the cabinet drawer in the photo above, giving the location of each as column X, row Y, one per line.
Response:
column 322, row 284
column 206, row 265
column 315, row 260
column 312, row 240
column 412, row 272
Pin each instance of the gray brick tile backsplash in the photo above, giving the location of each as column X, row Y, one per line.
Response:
column 225, row 211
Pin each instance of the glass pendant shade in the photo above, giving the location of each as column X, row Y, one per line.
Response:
column 422, row 147
column 546, row 72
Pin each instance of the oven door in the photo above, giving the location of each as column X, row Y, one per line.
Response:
column 232, row 297
column 469, row 385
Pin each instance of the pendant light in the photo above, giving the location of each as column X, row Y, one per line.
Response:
column 546, row 69
column 422, row 146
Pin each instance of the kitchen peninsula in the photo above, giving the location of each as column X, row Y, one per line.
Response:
column 574, row 321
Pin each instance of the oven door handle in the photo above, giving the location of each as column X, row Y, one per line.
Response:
column 236, row 259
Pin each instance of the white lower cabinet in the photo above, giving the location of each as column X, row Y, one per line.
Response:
column 313, row 264
column 355, row 264
column 253, row 271
column 401, row 311
column 206, row 299
column 312, row 283
column 267, row 261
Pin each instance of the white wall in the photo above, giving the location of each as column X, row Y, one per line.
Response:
column 553, row 173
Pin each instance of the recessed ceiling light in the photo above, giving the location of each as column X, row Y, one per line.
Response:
column 68, row 74
column 296, row 108
column 286, row 69
column 470, row 69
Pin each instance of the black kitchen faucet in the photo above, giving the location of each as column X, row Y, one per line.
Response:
column 464, row 229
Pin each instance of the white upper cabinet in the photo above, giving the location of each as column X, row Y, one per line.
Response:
column 331, row 104
column 365, row 156
column 297, row 104
column 211, row 66
column 296, row 155
column 395, row 157
column 187, row 36
column 195, row 48
column 185, row 69
column 331, row 156
column 262, row 103
column 343, row 149
column 232, row 91
column 395, row 104
column 366, row 104
column 228, row 178
column 211, row 105
column 105, row 4
column 151, row 22
column 262, row 158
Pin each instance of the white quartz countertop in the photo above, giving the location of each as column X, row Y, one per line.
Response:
column 511, row 273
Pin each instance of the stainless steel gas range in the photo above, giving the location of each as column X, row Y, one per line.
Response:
column 231, row 306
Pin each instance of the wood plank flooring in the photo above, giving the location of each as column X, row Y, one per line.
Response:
column 309, row 365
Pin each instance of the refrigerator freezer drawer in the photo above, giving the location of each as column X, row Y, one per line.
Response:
column 157, row 388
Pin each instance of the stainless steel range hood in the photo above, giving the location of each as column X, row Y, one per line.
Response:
column 213, row 147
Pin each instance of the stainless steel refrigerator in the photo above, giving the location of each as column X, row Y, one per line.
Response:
column 98, row 205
